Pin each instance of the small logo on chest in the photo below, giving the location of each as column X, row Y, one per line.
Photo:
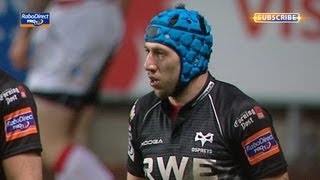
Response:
column 203, row 138
column 152, row 142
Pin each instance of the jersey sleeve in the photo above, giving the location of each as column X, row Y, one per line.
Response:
column 256, row 143
column 135, row 159
column 19, row 127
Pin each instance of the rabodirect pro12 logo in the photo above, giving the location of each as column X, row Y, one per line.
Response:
column 35, row 20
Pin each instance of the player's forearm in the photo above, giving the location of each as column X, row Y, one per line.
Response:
column 26, row 166
column 283, row 176
column 132, row 177
column 36, row 5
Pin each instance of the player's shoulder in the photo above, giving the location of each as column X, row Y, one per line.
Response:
column 236, row 108
column 224, row 91
column 7, row 81
column 148, row 100
column 232, row 92
column 10, row 85
column 144, row 103
column 233, row 98
column 12, row 91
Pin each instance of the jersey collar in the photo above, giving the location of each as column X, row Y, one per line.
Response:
column 206, row 89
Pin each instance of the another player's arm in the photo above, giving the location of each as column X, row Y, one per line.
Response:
column 25, row 166
column 36, row 5
column 283, row 176
column 132, row 177
column 20, row 45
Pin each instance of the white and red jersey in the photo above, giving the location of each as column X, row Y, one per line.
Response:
column 67, row 57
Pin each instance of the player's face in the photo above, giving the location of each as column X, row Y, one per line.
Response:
column 163, row 67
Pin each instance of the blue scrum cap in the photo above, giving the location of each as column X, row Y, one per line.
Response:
column 186, row 32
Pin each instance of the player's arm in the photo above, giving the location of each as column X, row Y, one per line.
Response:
column 20, row 140
column 37, row 5
column 283, row 176
column 257, row 146
column 26, row 166
column 132, row 177
column 20, row 45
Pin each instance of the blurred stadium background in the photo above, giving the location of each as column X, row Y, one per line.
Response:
column 278, row 64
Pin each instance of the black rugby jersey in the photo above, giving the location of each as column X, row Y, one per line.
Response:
column 19, row 130
column 221, row 134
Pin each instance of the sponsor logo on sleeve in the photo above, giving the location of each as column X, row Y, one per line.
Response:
column 12, row 94
column 247, row 117
column 260, row 146
column 19, row 123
